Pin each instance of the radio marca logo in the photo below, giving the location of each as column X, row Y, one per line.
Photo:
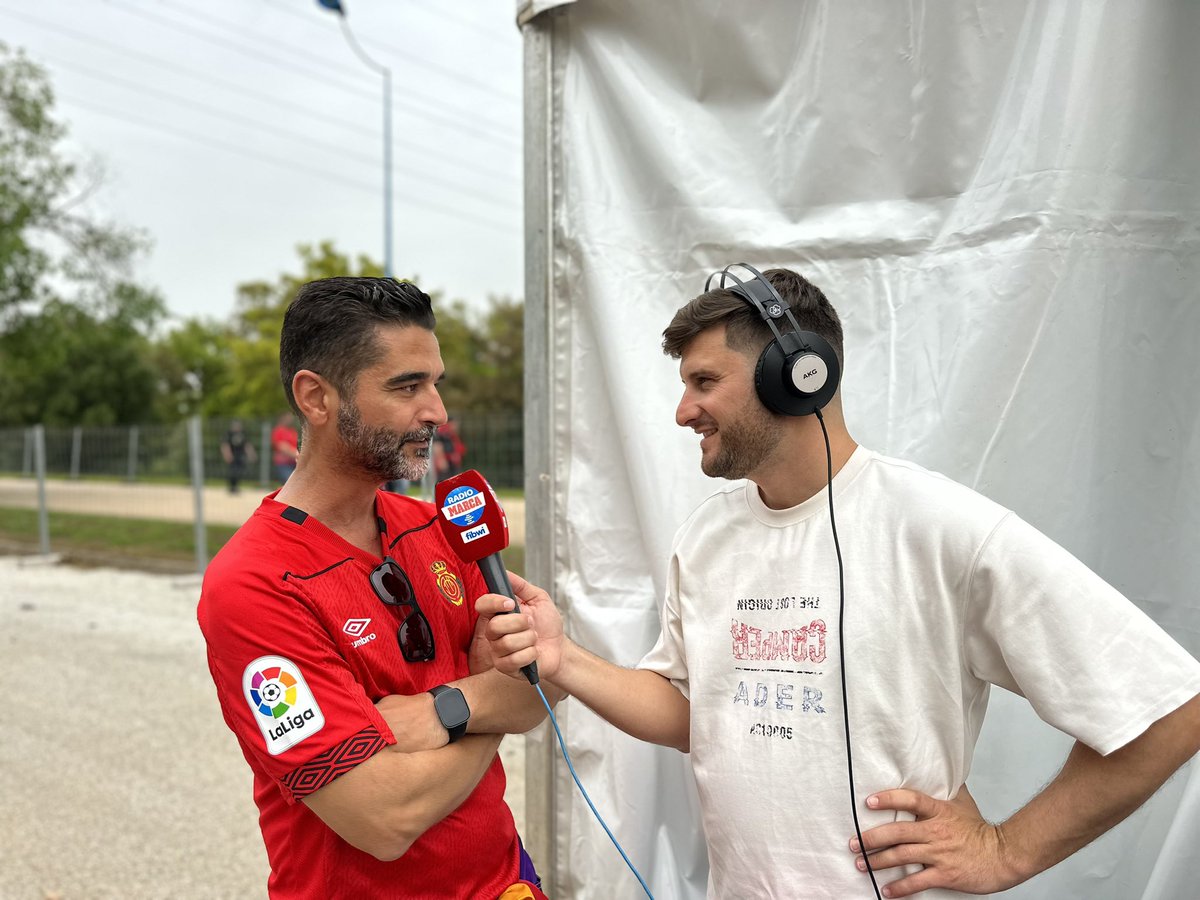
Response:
column 464, row 505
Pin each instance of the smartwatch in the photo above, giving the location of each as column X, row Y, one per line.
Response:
column 452, row 710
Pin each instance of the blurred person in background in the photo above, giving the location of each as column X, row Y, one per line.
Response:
column 285, row 447
column 238, row 453
column 342, row 637
column 449, row 451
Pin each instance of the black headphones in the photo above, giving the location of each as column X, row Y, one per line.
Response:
column 798, row 372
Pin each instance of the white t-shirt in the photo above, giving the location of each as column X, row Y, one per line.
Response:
column 946, row 594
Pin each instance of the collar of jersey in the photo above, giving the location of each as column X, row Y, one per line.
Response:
column 315, row 529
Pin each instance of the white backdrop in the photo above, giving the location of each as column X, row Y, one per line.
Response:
column 1002, row 200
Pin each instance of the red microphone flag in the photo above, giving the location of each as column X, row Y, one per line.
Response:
column 474, row 524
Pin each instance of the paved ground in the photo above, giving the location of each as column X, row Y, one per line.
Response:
column 118, row 776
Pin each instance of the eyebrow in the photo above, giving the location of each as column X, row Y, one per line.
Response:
column 409, row 377
column 700, row 372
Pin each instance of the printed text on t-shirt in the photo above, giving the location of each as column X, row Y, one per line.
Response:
column 805, row 643
column 753, row 603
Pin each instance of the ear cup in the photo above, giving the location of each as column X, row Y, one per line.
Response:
column 800, row 383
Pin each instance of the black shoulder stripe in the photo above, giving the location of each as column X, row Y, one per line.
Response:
column 292, row 514
column 411, row 530
column 287, row 575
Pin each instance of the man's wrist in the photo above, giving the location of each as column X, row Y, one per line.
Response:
column 452, row 710
column 1018, row 862
column 570, row 659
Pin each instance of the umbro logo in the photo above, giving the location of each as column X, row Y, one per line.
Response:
column 356, row 628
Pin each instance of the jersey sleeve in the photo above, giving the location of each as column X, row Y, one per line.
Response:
column 1090, row 662
column 300, row 716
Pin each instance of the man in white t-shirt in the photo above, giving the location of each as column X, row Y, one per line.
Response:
column 945, row 594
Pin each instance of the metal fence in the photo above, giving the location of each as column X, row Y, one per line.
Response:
column 177, row 472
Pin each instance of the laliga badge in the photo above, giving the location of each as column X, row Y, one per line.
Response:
column 283, row 706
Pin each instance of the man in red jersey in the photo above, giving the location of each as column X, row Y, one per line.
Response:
column 285, row 447
column 342, row 635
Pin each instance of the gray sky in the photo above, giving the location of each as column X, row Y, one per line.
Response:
column 232, row 130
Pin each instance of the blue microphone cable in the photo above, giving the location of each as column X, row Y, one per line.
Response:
column 579, row 784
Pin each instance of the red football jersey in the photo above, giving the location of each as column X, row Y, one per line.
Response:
column 300, row 648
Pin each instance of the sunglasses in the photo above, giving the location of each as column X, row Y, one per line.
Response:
column 414, row 635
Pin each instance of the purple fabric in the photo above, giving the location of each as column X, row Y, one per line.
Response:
column 527, row 872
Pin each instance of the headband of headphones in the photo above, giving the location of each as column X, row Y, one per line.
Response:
column 761, row 294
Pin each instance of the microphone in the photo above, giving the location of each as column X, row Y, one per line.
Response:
column 474, row 524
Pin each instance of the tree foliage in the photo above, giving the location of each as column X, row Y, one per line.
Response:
column 74, row 326
column 78, row 336
column 484, row 356
column 32, row 177
column 483, row 353
column 193, row 366
column 67, row 366
column 250, row 387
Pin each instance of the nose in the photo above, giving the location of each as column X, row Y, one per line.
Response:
column 435, row 411
column 687, row 410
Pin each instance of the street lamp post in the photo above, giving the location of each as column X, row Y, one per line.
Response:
column 337, row 7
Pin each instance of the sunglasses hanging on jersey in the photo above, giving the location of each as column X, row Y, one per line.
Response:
column 414, row 635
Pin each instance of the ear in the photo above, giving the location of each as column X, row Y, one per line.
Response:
column 316, row 397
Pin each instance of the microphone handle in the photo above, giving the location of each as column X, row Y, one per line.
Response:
column 495, row 576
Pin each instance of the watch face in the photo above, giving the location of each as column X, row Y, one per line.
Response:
column 452, row 708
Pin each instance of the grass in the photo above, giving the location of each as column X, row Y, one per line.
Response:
column 514, row 559
column 115, row 539
column 134, row 543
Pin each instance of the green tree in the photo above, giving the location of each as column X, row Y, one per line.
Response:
column 32, row 178
column 484, row 356
column 74, row 345
column 192, row 361
column 63, row 365
column 251, row 386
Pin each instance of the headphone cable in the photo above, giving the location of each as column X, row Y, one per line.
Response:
column 842, row 658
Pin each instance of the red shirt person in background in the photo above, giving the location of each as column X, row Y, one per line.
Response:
column 448, row 450
column 285, row 447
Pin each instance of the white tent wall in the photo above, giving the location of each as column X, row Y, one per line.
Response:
column 1002, row 199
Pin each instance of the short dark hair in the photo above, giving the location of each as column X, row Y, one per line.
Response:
column 745, row 330
column 330, row 327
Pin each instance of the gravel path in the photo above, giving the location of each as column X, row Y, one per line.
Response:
column 118, row 776
column 167, row 502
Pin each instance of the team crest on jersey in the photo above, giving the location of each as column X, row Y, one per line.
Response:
column 448, row 583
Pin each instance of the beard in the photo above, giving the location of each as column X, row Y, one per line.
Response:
column 379, row 451
column 745, row 443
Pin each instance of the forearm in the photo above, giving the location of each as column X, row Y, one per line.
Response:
column 1093, row 793
column 503, row 705
column 384, row 804
column 641, row 703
